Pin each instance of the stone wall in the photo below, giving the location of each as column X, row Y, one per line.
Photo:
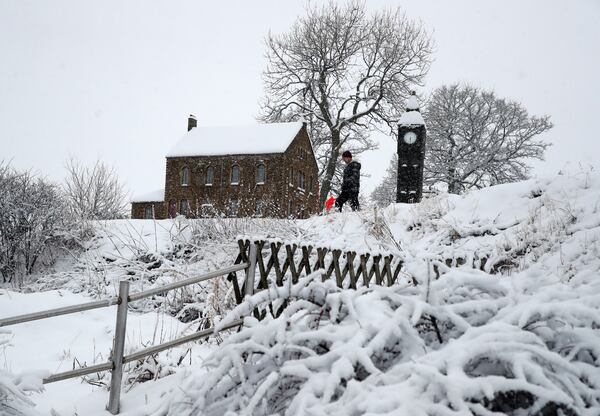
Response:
column 138, row 209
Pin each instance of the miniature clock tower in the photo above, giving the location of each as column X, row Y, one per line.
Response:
column 411, row 153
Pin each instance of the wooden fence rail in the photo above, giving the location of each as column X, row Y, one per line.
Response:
column 278, row 262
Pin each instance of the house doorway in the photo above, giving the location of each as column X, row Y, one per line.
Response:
column 172, row 208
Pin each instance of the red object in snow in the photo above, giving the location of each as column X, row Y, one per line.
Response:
column 329, row 203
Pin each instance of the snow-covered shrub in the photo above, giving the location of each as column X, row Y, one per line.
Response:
column 94, row 193
column 13, row 401
column 32, row 222
column 226, row 230
column 519, row 346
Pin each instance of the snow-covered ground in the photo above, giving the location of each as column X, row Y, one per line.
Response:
column 512, row 320
column 70, row 341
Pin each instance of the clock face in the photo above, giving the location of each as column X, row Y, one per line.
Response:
column 410, row 137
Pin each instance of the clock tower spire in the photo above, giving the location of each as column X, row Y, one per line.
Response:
column 411, row 152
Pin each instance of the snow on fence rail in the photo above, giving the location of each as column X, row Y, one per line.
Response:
column 280, row 260
column 115, row 365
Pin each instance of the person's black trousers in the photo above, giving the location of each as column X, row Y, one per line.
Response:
column 347, row 197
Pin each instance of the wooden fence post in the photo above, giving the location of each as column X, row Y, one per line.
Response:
column 118, row 349
column 251, row 270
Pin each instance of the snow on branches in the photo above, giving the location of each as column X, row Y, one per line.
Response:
column 346, row 72
column 13, row 400
column 32, row 221
column 476, row 139
column 510, row 346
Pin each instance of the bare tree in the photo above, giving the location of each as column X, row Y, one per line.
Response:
column 345, row 73
column 475, row 139
column 94, row 193
column 385, row 193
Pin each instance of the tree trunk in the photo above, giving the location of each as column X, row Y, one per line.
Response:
column 330, row 168
column 453, row 184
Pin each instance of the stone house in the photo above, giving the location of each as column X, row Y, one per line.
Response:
column 263, row 170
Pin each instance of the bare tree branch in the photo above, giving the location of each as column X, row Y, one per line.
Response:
column 345, row 73
column 94, row 193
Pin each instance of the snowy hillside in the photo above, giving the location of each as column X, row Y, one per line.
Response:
column 498, row 310
column 519, row 336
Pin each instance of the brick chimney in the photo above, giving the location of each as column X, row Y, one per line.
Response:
column 192, row 122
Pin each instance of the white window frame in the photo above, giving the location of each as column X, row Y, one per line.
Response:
column 231, row 181
column 212, row 179
column 184, row 176
column 264, row 178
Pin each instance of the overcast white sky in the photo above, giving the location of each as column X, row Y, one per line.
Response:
column 116, row 79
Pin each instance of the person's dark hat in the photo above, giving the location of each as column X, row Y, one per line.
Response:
column 347, row 154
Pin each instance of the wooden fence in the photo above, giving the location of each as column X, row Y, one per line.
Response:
column 278, row 262
column 273, row 259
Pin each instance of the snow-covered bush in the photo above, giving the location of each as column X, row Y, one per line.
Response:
column 13, row 401
column 32, row 222
column 94, row 193
column 514, row 346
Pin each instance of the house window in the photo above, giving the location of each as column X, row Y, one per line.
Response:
column 185, row 176
column 184, row 207
column 300, row 180
column 148, row 212
column 210, row 176
column 235, row 175
column 259, row 208
column 232, row 209
column 261, row 174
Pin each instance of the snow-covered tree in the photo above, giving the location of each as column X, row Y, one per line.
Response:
column 385, row 193
column 344, row 72
column 476, row 139
column 94, row 193
column 32, row 217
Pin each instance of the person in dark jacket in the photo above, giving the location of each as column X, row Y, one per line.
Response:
column 350, row 183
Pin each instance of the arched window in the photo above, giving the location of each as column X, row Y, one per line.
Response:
column 185, row 176
column 261, row 174
column 210, row 176
column 235, row 175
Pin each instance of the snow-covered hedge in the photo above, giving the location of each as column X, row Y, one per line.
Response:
column 511, row 346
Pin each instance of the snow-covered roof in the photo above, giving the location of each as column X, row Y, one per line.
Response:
column 236, row 140
column 154, row 196
column 411, row 118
